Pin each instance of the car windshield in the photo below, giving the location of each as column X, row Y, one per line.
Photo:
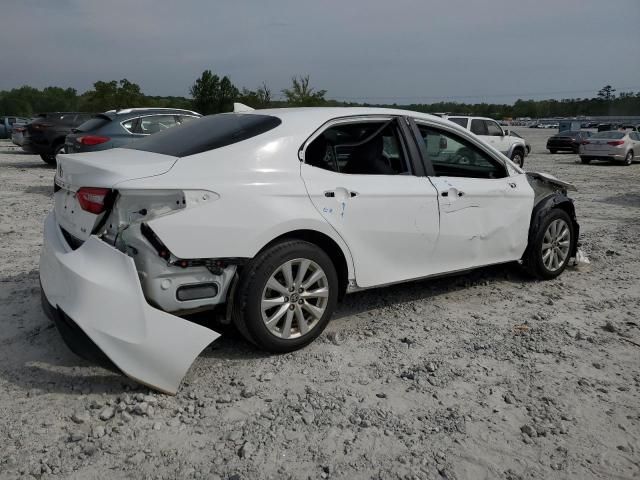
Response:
column 206, row 133
column 612, row 135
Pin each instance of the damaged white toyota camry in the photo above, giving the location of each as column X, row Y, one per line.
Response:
column 274, row 215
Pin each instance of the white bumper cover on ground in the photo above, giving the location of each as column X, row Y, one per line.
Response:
column 97, row 287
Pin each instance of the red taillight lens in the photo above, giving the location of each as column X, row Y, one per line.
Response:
column 616, row 143
column 92, row 140
column 92, row 199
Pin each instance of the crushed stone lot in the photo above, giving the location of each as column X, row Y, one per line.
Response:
column 481, row 376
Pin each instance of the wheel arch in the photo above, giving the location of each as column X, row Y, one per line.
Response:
column 543, row 206
column 338, row 256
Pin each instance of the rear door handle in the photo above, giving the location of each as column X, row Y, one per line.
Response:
column 457, row 192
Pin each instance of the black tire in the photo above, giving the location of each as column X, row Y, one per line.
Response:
column 584, row 160
column 247, row 314
column 533, row 258
column 50, row 158
column 517, row 157
column 628, row 159
column 553, row 150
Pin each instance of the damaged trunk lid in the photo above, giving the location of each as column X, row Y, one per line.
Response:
column 85, row 183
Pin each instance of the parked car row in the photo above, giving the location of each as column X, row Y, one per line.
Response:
column 622, row 146
column 7, row 124
column 50, row 134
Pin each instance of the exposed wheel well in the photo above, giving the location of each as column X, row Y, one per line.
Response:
column 327, row 244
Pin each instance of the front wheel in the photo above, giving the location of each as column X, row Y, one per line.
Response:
column 51, row 158
column 286, row 296
column 518, row 158
column 550, row 249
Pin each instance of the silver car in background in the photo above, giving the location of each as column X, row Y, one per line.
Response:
column 617, row 146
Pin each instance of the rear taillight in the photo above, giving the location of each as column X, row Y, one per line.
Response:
column 92, row 140
column 92, row 199
column 616, row 143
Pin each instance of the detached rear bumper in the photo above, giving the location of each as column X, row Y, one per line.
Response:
column 95, row 298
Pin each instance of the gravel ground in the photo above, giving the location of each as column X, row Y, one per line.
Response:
column 485, row 375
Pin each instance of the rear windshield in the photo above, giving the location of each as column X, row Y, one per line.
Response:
column 206, row 133
column 613, row 135
column 460, row 121
column 94, row 123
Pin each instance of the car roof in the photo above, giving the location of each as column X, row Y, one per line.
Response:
column 126, row 111
column 313, row 117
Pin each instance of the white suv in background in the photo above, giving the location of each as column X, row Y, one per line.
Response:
column 491, row 132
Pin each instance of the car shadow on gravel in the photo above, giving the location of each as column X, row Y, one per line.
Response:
column 46, row 190
column 47, row 365
column 33, row 164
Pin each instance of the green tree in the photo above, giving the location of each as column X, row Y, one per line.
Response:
column 606, row 93
column 212, row 94
column 259, row 98
column 302, row 95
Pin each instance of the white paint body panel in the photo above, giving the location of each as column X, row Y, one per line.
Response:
column 390, row 223
column 396, row 228
column 98, row 288
column 482, row 221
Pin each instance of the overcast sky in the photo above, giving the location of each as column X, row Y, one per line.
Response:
column 365, row 50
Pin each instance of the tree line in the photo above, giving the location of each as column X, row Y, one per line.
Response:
column 211, row 93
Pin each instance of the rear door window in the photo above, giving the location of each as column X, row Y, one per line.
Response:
column 154, row 124
column 208, row 133
column 365, row 148
column 479, row 127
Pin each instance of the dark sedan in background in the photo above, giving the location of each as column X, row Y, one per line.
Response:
column 568, row 141
column 117, row 128
column 46, row 133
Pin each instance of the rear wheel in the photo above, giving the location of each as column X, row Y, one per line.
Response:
column 585, row 160
column 286, row 296
column 51, row 158
column 628, row 159
column 548, row 253
column 553, row 150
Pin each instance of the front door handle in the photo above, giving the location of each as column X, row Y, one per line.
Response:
column 330, row 194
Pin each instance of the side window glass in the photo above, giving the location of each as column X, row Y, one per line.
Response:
column 453, row 156
column 129, row 125
column 365, row 148
column 494, row 129
column 479, row 127
column 12, row 121
column 185, row 118
column 155, row 123
column 460, row 121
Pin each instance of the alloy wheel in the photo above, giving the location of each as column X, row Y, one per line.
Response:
column 556, row 244
column 294, row 298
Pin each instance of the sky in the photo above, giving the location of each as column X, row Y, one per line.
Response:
column 373, row 51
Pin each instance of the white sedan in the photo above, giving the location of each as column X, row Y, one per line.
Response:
column 274, row 215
